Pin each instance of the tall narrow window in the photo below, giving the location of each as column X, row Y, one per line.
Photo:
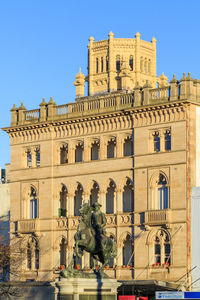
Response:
column 131, row 62
column 37, row 258
column 128, row 146
column 29, row 158
column 63, row 250
column 64, row 154
column 63, row 202
column 33, row 204
column 95, row 150
column 111, row 148
column 107, row 64
column 167, row 140
column 79, row 153
column 118, row 63
column 110, row 196
column 128, row 197
column 157, row 250
column 141, row 64
column 29, row 257
column 94, row 193
column 102, row 64
column 128, row 251
column 156, row 138
column 78, row 200
column 38, row 157
column 163, row 202
column 97, row 65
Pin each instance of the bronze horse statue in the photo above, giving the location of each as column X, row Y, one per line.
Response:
column 90, row 235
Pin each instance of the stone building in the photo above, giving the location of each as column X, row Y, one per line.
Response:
column 132, row 144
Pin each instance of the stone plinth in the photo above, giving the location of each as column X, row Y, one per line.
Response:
column 87, row 288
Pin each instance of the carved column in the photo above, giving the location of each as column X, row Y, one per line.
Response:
column 119, row 202
column 70, row 204
column 102, row 201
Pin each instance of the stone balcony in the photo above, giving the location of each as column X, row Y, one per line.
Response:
column 187, row 88
column 26, row 226
column 157, row 217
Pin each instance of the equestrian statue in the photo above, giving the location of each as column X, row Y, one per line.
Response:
column 91, row 237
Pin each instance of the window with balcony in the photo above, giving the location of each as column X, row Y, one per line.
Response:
column 64, row 154
column 159, row 190
column 33, row 204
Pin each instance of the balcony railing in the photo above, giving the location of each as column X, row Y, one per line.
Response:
column 157, row 217
column 25, row 226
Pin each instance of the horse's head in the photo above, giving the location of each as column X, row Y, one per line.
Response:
column 85, row 209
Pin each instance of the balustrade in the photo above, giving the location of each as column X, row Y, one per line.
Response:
column 154, row 217
column 25, row 226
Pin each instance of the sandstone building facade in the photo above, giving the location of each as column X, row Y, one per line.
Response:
column 132, row 144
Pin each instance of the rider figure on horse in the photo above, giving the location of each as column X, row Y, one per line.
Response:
column 98, row 219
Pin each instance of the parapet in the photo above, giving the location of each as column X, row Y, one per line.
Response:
column 187, row 89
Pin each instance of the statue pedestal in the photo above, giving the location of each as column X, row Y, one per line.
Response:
column 87, row 288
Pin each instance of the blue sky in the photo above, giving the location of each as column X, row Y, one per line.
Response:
column 44, row 42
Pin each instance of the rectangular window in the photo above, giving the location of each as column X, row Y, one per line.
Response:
column 156, row 142
column 29, row 159
column 168, row 140
column 38, row 157
column 33, row 209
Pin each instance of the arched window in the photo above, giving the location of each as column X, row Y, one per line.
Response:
column 94, row 193
column 128, row 197
column 131, row 62
column 64, row 154
column 97, row 65
column 95, row 150
column 118, row 63
column 63, row 202
column 159, row 192
column 78, row 199
column 110, row 197
column 33, row 204
column 162, row 249
column 79, row 153
column 33, row 254
column 127, row 251
column 128, row 146
column 63, row 249
column 111, row 148
column 101, row 64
